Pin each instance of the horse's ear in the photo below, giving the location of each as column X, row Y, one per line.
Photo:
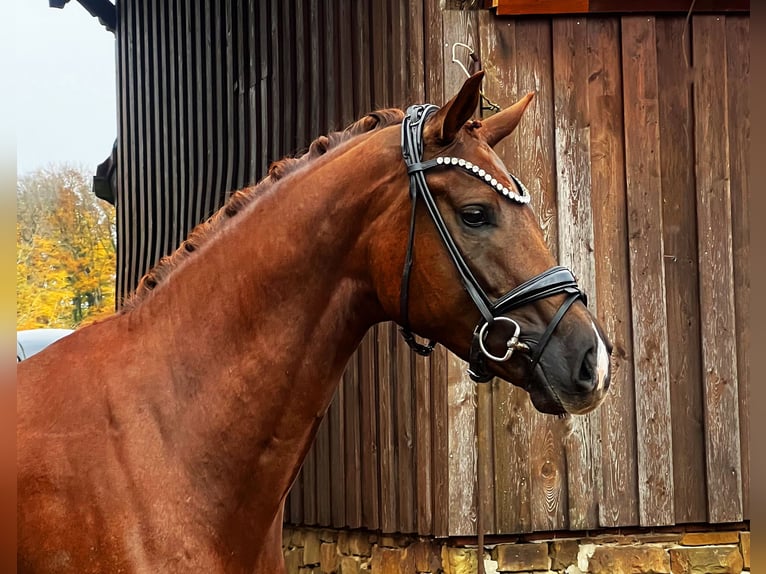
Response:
column 500, row 125
column 444, row 125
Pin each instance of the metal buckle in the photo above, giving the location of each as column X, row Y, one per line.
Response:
column 512, row 343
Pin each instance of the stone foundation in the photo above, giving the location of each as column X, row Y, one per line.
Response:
column 322, row 551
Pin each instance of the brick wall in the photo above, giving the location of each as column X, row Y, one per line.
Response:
column 322, row 551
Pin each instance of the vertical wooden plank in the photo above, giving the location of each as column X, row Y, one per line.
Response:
column 210, row 97
column 738, row 76
column 141, row 234
column 276, row 56
column 123, row 186
column 535, row 164
column 618, row 504
column 296, row 499
column 309, row 488
column 288, row 79
column 318, row 119
column 230, row 86
column 570, row 76
column 412, row 18
column 510, row 454
column 265, row 103
column 302, row 77
column 361, row 58
column 163, row 106
column 253, row 91
column 405, row 437
column 650, row 340
column 681, row 270
column 423, row 442
column 321, row 450
column 353, row 458
column 462, row 447
column 537, row 167
column 186, row 125
column 387, row 425
column 337, row 458
column 460, row 26
column 241, row 65
column 173, row 85
column 408, row 371
column 397, row 49
column 485, row 459
column 370, row 469
column 440, row 440
column 714, row 211
column 345, row 47
column 381, row 55
column 433, row 64
column 426, row 84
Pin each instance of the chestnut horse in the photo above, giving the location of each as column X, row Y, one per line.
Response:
column 166, row 437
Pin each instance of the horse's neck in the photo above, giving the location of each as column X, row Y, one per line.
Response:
column 258, row 328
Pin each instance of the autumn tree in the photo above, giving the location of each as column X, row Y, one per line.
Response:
column 65, row 250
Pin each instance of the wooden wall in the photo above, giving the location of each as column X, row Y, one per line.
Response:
column 635, row 150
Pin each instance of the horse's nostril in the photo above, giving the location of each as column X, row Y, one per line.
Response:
column 587, row 373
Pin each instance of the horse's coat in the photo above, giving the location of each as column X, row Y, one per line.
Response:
column 165, row 438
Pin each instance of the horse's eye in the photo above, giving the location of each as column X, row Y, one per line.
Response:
column 474, row 216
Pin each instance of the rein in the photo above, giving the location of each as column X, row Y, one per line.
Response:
column 554, row 281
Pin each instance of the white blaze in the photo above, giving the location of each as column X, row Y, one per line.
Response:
column 602, row 360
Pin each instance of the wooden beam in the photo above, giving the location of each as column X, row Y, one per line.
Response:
column 538, row 7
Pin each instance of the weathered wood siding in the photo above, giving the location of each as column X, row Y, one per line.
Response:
column 636, row 151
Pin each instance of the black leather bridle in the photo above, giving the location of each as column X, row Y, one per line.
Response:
column 554, row 281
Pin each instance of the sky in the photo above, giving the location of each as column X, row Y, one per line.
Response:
column 65, row 84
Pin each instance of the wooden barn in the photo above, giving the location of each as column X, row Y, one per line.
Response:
column 636, row 152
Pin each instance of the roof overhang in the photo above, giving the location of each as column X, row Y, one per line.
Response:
column 104, row 10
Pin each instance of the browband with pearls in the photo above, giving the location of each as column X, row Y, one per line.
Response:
column 520, row 196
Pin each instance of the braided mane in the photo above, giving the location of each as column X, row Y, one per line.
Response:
column 238, row 200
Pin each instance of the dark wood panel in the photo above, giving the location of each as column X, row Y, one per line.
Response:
column 618, row 500
column 345, row 47
column 714, row 207
column 650, row 340
column 423, row 445
column 681, row 271
column 309, row 488
column 323, row 470
column 440, row 452
column 405, row 436
column 337, row 458
column 387, row 426
column 737, row 82
column 353, row 446
column 368, row 404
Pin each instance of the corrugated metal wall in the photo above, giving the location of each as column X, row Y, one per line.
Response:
column 638, row 170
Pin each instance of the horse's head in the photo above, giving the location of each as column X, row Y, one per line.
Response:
column 482, row 280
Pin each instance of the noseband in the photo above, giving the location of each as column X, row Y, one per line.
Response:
column 554, row 281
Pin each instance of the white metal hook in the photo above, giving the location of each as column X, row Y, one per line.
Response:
column 458, row 62
column 490, row 105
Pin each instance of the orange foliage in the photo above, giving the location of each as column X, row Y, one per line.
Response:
column 65, row 250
